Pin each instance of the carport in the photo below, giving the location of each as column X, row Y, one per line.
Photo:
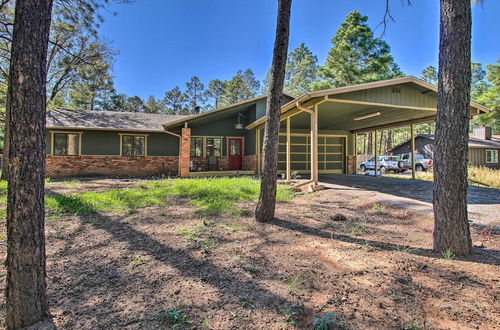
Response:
column 318, row 129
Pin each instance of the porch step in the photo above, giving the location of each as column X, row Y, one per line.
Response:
column 219, row 173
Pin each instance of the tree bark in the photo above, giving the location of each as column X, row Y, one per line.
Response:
column 26, row 299
column 267, row 197
column 451, row 226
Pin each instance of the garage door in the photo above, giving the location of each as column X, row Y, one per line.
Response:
column 331, row 153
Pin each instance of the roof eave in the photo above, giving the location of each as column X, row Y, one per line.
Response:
column 376, row 84
column 206, row 113
column 145, row 130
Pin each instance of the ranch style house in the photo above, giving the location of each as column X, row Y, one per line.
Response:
column 317, row 134
column 483, row 147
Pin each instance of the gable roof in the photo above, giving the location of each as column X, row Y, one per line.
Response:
column 353, row 88
column 108, row 120
column 474, row 142
column 166, row 125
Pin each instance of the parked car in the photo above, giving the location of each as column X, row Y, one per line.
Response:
column 421, row 163
column 384, row 164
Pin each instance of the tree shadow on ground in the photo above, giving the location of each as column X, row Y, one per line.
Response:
column 484, row 256
column 224, row 280
column 419, row 190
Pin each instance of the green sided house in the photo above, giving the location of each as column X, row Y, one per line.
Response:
column 317, row 134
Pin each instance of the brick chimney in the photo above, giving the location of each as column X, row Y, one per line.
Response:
column 483, row 133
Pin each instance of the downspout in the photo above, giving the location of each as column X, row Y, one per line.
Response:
column 180, row 139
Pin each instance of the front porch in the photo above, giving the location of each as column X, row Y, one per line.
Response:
column 210, row 174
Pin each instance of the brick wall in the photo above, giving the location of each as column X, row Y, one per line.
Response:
column 351, row 164
column 222, row 163
column 250, row 163
column 185, row 152
column 73, row 166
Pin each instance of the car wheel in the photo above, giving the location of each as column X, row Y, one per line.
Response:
column 382, row 169
column 419, row 168
column 363, row 168
column 401, row 164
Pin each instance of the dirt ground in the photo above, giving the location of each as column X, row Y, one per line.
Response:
column 373, row 269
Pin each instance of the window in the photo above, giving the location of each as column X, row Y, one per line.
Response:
column 66, row 144
column 196, row 147
column 133, row 145
column 214, row 147
column 235, row 147
column 491, row 156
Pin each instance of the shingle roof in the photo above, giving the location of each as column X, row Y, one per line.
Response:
column 480, row 143
column 91, row 119
column 474, row 142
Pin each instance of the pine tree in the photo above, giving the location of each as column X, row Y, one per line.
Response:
column 25, row 294
column 430, row 75
column 175, row 101
column 195, row 94
column 264, row 212
column 451, row 223
column 93, row 87
column 356, row 56
column 491, row 98
column 154, row 106
column 215, row 92
column 134, row 104
column 301, row 70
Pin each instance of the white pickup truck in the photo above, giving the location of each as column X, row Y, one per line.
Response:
column 384, row 164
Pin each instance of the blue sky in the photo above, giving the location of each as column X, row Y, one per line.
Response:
column 162, row 43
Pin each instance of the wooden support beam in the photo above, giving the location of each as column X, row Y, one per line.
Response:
column 355, row 136
column 315, row 149
column 257, row 145
column 288, row 151
column 384, row 105
column 412, row 133
column 374, row 148
column 397, row 124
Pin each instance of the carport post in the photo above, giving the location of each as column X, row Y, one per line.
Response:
column 374, row 147
column 355, row 154
column 314, row 145
column 259, row 158
column 412, row 133
column 288, row 151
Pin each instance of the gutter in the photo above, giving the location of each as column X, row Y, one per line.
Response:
column 179, row 156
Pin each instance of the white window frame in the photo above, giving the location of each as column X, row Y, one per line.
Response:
column 493, row 157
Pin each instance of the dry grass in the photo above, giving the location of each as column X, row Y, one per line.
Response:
column 482, row 174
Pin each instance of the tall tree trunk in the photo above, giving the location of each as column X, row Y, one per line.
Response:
column 389, row 140
column 451, row 226
column 370, row 144
column 267, row 197
column 5, row 157
column 26, row 298
column 381, row 143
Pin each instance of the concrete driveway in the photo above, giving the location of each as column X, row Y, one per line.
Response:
column 484, row 203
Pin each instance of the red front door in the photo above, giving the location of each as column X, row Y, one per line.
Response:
column 235, row 153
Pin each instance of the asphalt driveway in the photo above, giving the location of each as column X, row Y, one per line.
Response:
column 484, row 203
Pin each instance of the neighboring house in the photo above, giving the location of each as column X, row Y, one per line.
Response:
column 484, row 148
column 229, row 140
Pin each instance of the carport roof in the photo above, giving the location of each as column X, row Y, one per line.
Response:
column 339, row 106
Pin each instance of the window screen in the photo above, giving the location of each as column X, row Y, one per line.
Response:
column 133, row 145
column 66, row 144
column 196, row 147
column 214, row 147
